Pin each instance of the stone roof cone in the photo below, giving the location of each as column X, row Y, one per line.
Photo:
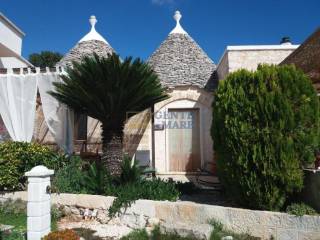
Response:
column 90, row 43
column 180, row 60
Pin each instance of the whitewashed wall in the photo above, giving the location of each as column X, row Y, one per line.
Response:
column 10, row 37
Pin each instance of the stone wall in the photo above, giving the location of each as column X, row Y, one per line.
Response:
column 249, row 58
column 223, row 66
column 262, row 224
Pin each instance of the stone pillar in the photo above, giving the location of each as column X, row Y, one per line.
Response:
column 39, row 205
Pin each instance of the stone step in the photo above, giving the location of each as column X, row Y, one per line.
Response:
column 197, row 231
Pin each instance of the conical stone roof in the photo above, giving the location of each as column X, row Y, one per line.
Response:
column 180, row 60
column 90, row 43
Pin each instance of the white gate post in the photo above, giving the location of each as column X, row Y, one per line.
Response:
column 39, row 204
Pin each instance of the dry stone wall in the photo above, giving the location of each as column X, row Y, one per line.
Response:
column 144, row 213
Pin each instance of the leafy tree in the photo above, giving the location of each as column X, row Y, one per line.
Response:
column 108, row 89
column 45, row 58
column 265, row 126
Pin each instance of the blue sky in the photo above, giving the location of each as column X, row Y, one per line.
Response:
column 137, row 27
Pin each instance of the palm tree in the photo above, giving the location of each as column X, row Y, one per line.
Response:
column 108, row 89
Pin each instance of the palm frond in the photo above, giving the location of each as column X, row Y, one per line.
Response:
column 108, row 88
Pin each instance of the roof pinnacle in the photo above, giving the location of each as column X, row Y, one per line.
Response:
column 93, row 20
column 178, row 29
column 93, row 34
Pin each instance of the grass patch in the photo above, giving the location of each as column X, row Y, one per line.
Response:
column 14, row 213
column 155, row 235
column 220, row 231
column 300, row 209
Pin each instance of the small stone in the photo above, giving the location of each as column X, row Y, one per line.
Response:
column 197, row 231
column 94, row 213
column 75, row 211
column 86, row 212
column 153, row 222
column 67, row 211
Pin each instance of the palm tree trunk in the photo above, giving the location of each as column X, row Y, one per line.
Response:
column 112, row 149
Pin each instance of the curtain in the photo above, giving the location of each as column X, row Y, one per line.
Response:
column 58, row 117
column 17, row 104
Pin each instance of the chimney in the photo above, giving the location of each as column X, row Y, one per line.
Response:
column 285, row 41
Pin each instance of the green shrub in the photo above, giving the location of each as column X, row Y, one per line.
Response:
column 155, row 189
column 9, row 173
column 130, row 171
column 16, row 158
column 80, row 177
column 300, row 209
column 265, row 126
column 156, row 234
column 139, row 234
column 70, row 178
column 13, row 207
column 96, row 179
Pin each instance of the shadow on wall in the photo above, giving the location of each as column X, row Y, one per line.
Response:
column 134, row 131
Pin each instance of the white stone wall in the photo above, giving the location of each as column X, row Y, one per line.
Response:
column 262, row 224
column 223, row 66
column 249, row 58
column 12, row 62
column 10, row 37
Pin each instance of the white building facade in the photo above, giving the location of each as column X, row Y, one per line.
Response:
column 11, row 45
column 174, row 135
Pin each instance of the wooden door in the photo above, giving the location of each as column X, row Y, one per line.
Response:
column 184, row 140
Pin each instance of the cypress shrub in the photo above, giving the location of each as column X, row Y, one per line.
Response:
column 265, row 127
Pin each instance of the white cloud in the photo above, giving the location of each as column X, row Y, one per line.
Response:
column 162, row 2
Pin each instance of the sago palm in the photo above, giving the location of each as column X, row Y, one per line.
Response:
column 110, row 90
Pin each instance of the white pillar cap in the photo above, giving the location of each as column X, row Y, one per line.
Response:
column 39, row 171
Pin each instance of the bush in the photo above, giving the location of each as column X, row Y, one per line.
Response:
column 80, row 177
column 300, row 209
column 13, row 207
column 16, row 158
column 96, row 179
column 62, row 235
column 9, row 173
column 130, row 171
column 155, row 189
column 265, row 126
column 156, row 234
column 70, row 178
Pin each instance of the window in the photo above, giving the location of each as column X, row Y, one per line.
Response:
column 80, row 126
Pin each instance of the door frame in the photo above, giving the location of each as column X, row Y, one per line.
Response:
column 167, row 154
column 196, row 110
